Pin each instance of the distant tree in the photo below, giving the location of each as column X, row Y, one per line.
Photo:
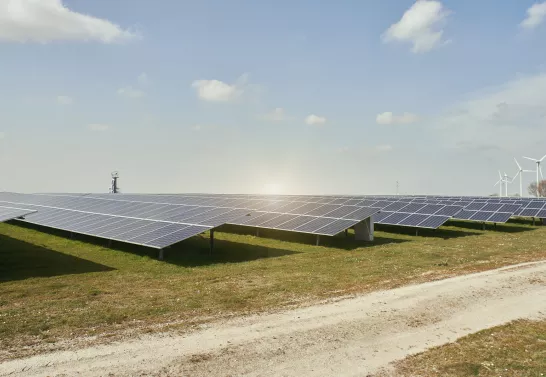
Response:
column 540, row 192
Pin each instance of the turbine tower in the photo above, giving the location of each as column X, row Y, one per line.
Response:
column 520, row 173
column 499, row 182
column 506, row 181
column 538, row 168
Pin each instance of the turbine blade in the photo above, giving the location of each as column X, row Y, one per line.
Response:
column 517, row 163
column 529, row 158
column 543, row 157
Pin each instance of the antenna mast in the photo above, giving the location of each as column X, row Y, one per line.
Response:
column 114, row 189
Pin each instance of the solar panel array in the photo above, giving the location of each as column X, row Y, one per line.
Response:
column 147, row 224
column 314, row 215
column 10, row 213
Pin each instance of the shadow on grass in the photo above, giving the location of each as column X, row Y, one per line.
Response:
column 339, row 241
column 192, row 252
column 195, row 252
column 422, row 232
column 21, row 260
column 512, row 226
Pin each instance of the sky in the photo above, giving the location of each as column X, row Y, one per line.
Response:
column 281, row 97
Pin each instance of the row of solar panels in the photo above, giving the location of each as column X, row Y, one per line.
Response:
column 395, row 210
column 431, row 216
column 158, row 223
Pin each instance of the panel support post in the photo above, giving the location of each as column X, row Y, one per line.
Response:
column 416, row 231
column 160, row 255
column 318, row 240
column 346, row 232
column 211, row 238
column 257, row 232
column 364, row 230
column 483, row 226
column 533, row 221
column 109, row 244
column 495, row 226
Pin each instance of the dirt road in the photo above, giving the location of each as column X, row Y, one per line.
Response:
column 351, row 337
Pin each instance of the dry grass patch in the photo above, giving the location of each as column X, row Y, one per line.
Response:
column 514, row 350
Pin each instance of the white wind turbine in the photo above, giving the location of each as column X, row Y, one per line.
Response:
column 538, row 168
column 520, row 173
column 507, row 180
column 500, row 182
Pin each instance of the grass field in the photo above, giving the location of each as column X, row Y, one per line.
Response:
column 53, row 288
column 514, row 350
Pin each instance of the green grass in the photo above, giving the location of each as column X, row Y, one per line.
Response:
column 53, row 288
column 514, row 350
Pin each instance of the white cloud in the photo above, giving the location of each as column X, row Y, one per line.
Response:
column 217, row 91
column 383, row 148
column 197, row 127
column 512, row 115
column 143, row 79
column 65, row 100
column 420, row 25
column 99, row 127
column 277, row 115
column 45, row 21
column 535, row 15
column 131, row 92
column 390, row 118
column 315, row 120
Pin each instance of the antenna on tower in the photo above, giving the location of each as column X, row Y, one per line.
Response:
column 114, row 189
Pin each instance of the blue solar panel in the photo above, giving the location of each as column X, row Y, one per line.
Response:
column 414, row 220
column 481, row 216
column 434, row 222
column 500, row 217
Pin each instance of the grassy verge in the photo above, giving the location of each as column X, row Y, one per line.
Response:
column 53, row 288
column 514, row 350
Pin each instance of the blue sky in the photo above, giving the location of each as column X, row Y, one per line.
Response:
column 270, row 96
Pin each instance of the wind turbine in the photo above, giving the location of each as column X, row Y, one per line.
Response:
column 506, row 181
column 499, row 182
column 538, row 168
column 520, row 173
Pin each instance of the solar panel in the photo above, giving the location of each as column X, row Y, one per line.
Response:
column 414, row 220
column 433, row 222
column 10, row 213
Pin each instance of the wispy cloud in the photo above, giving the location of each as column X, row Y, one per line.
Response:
column 50, row 20
column 277, row 115
column 536, row 14
column 388, row 118
column 421, row 25
column 131, row 92
column 65, row 100
column 313, row 120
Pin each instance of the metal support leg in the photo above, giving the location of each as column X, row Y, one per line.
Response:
column 257, row 232
column 109, row 244
column 533, row 221
column 483, row 226
column 346, row 232
column 160, row 255
column 495, row 226
column 211, row 241
column 417, row 231
column 318, row 240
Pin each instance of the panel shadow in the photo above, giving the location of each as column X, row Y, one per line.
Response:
column 21, row 260
column 422, row 232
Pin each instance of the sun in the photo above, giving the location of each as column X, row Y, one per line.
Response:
column 272, row 189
